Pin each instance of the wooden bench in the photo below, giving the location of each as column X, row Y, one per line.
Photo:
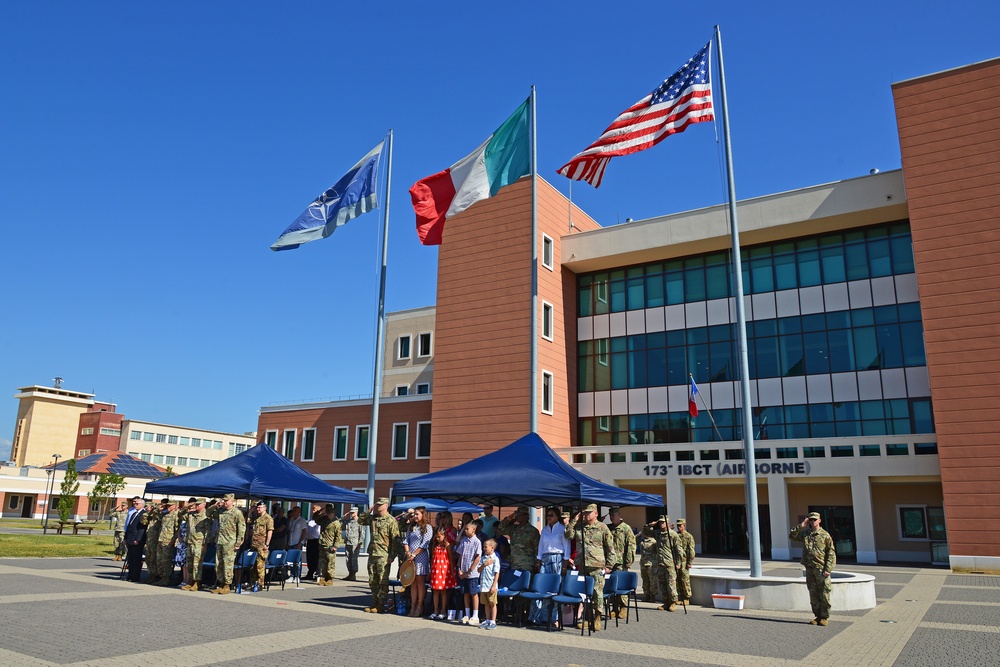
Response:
column 77, row 527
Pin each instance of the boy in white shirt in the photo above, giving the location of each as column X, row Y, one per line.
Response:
column 489, row 578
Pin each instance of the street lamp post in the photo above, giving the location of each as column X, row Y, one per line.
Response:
column 48, row 500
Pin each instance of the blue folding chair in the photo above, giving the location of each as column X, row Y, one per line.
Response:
column 543, row 587
column 576, row 589
column 244, row 561
column 625, row 584
column 608, row 594
column 208, row 563
column 512, row 584
column 293, row 561
column 275, row 562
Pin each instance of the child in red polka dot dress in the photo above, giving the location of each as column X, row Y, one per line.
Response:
column 443, row 577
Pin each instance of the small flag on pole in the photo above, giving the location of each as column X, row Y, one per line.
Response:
column 499, row 161
column 692, row 405
column 683, row 99
column 346, row 199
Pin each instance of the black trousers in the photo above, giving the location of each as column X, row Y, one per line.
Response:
column 133, row 560
column 312, row 556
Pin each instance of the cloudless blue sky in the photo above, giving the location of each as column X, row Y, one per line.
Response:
column 150, row 153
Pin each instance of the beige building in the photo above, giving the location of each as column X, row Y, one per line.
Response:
column 409, row 352
column 47, row 422
column 182, row 448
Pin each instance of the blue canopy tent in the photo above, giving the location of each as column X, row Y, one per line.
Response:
column 437, row 505
column 259, row 472
column 526, row 471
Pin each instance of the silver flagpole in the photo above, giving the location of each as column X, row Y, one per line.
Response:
column 534, row 271
column 753, row 521
column 380, row 335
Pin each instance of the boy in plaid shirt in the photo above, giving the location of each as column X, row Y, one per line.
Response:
column 469, row 550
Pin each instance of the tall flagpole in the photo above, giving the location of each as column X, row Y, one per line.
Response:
column 380, row 335
column 753, row 521
column 534, row 271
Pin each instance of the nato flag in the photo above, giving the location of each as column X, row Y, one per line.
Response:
column 348, row 198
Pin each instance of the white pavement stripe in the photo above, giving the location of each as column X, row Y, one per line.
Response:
column 878, row 637
column 21, row 660
column 988, row 629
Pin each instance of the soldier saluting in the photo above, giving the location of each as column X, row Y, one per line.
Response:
column 819, row 558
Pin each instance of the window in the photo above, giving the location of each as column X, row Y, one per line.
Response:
column 216, row 444
column 87, row 431
column 135, row 435
column 161, row 437
column 232, row 449
column 424, row 344
column 788, row 452
column 135, row 454
column 116, row 432
column 147, row 436
column 403, row 347
column 182, row 461
column 708, row 455
column 919, row 522
column 402, row 390
column 686, row 455
column 158, row 459
column 924, row 448
column 289, row 444
column 547, row 390
column 308, row 444
column 83, row 452
column 271, row 439
column 734, row 455
column 13, row 502
column 841, row 450
column 814, row 452
column 170, row 460
column 897, row 449
column 548, row 252
column 548, row 320
column 146, row 457
column 340, row 443
column 240, row 448
column 423, row 440
column 196, row 442
column 171, row 439
column 643, row 457
column 205, row 463
column 661, row 456
column 361, row 442
column 869, row 450
column 185, row 441
column 423, row 387
column 400, row 434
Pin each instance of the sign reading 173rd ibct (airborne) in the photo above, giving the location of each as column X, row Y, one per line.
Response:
column 727, row 469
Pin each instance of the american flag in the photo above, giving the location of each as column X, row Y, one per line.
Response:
column 684, row 98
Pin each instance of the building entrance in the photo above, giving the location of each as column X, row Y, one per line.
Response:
column 28, row 507
column 724, row 530
column 839, row 522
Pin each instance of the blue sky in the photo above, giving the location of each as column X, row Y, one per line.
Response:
column 151, row 153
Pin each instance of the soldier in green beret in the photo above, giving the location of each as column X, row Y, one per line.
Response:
column 385, row 533
column 595, row 554
column 685, row 541
column 819, row 557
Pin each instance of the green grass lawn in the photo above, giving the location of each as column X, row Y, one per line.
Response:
column 51, row 546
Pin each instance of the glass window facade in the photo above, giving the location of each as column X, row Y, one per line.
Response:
column 873, row 338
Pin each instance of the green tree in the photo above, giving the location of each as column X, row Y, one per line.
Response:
column 169, row 472
column 105, row 492
column 67, row 491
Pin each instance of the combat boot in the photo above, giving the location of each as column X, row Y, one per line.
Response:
column 321, row 582
column 225, row 591
column 596, row 625
column 186, row 587
column 815, row 621
column 623, row 613
column 823, row 622
column 194, row 585
column 672, row 607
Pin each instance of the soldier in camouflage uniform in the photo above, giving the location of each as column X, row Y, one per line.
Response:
column 167, row 543
column 232, row 527
column 354, row 535
column 385, row 533
column 595, row 554
column 624, row 550
column 153, row 518
column 819, row 558
column 118, row 518
column 523, row 539
column 647, row 567
column 198, row 527
column 261, row 530
column 685, row 541
column 330, row 537
column 667, row 555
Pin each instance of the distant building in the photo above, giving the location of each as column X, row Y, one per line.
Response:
column 48, row 422
column 181, row 448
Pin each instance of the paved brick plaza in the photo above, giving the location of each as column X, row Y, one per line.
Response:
column 75, row 611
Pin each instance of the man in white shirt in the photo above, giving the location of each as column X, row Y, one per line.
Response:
column 554, row 552
column 313, row 530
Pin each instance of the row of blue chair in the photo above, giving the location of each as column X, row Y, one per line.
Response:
column 276, row 561
column 518, row 589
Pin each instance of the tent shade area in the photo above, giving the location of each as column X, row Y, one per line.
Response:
column 526, row 471
column 259, row 472
column 437, row 505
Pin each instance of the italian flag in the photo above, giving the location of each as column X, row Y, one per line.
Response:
column 499, row 161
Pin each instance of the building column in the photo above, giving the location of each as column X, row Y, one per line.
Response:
column 675, row 498
column 777, row 498
column 864, row 525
